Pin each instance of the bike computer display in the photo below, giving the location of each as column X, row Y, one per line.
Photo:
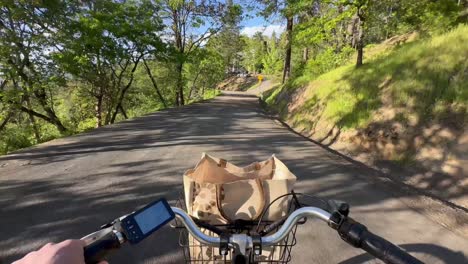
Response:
column 142, row 223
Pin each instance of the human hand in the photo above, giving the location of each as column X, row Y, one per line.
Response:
column 66, row 252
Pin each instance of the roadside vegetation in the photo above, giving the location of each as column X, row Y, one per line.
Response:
column 424, row 79
column 70, row 66
column 378, row 77
column 385, row 82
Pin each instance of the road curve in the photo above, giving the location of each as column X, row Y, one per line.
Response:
column 68, row 187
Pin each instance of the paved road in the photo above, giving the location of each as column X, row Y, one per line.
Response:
column 69, row 187
column 263, row 87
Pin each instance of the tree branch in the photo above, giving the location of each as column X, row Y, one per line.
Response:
column 36, row 114
column 208, row 34
column 148, row 70
column 6, row 120
column 124, row 90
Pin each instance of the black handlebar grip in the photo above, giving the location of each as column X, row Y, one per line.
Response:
column 357, row 235
column 386, row 251
column 97, row 250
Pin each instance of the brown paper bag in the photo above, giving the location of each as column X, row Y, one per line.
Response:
column 219, row 192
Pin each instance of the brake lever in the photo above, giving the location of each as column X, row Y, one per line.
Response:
column 338, row 206
column 111, row 227
column 95, row 236
column 339, row 211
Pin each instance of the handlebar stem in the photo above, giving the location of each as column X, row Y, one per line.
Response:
column 241, row 242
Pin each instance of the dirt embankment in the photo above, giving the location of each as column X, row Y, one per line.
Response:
column 238, row 83
column 404, row 112
column 431, row 156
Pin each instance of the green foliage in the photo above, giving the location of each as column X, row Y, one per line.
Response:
column 425, row 80
column 253, row 53
column 263, row 54
column 69, row 66
column 91, row 73
column 325, row 61
column 272, row 59
column 13, row 138
column 429, row 16
column 210, row 94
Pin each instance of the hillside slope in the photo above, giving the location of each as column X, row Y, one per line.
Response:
column 404, row 111
column 237, row 83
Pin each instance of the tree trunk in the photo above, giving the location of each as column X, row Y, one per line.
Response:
column 153, row 81
column 124, row 91
column 352, row 31
column 193, row 85
column 177, row 98
column 122, row 110
column 360, row 40
column 108, row 113
column 305, row 54
column 98, row 112
column 360, row 54
column 180, row 85
column 287, row 59
column 42, row 99
column 119, row 103
column 32, row 120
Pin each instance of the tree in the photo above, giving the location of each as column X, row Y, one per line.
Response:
column 273, row 57
column 359, row 20
column 205, row 69
column 24, row 31
column 154, row 83
column 186, row 19
column 271, row 8
column 103, row 46
column 253, row 53
column 287, row 59
column 228, row 42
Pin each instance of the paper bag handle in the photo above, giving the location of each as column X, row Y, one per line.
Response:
column 220, row 197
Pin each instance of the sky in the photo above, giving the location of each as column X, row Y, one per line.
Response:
column 266, row 30
column 252, row 23
column 255, row 24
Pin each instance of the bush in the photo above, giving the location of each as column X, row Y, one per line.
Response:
column 13, row 138
column 324, row 62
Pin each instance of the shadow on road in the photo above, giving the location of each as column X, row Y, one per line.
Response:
column 70, row 187
column 440, row 253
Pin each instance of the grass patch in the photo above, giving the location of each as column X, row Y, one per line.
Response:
column 427, row 77
column 211, row 93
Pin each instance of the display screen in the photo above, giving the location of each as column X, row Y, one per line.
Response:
column 152, row 217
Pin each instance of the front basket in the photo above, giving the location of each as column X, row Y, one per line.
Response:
column 194, row 252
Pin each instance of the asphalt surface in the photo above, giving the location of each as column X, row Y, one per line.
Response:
column 69, row 187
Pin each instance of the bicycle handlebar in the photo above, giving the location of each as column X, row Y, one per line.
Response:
column 292, row 220
column 267, row 240
column 350, row 231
